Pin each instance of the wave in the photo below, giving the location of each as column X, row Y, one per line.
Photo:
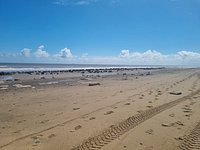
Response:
column 67, row 69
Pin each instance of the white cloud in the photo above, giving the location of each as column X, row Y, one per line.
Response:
column 153, row 57
column 25, row 52
column 41, row 47
column 152, row 54
column 65, row 53
column 149, row 54
column 84, row 55
column 125, row 53
column 82, row 3
column 189, row 55
column 59, row 2
column 41, row 53
column 74, row 2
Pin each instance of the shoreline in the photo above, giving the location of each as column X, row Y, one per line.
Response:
column 4, row 71
column 32, row 79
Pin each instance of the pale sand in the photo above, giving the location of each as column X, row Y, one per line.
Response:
column 63, row 116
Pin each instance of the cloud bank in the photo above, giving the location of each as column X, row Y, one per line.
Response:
column 154, row 57
column 126, row 56
column 189, row 55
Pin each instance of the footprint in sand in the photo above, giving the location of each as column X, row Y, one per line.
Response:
column 21, row 121
column 77, row 127
column 76, row 108
column 141, row 96
column 195, row 97
column 187, row 109
column 192, row 103
column 179, row 123
column 108, row 112
column 114, row 107
column 59, row 114
column 150, row 92
column 44, row 121
column 92, row 118
column 41, row 114
column 172, row 115
column 141, row 143
column 149, row 106
column 188, row 115
column 150, row 131
column 18, row 131
column 51, row 136
column 36, row 140
column 149, row 148
column 127, row 104
column 84, row 117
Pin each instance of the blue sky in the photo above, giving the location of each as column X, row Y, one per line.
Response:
column 100, row 31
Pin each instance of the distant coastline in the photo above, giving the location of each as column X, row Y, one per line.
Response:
column 32, row 67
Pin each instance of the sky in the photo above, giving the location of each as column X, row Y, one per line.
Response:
column 135, row 32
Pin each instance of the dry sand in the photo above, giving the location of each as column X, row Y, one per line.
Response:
column 125, row 112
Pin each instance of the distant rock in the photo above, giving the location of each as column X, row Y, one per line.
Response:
column 42, row 78
column 94, row 84
column 175, row 93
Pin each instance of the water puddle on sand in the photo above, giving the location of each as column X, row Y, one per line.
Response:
column 6, row 78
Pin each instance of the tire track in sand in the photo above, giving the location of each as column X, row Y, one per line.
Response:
column 115, row 131
column 191, row 141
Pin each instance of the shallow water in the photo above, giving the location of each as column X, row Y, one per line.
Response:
column 6, row 78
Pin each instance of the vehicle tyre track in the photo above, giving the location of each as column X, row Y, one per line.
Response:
column 115, row 131
column 192, row 141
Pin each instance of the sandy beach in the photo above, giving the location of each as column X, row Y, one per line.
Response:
column 136, row 109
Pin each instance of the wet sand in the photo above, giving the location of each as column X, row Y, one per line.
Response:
column 121, row 110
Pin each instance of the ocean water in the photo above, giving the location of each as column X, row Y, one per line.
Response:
column 13, row 67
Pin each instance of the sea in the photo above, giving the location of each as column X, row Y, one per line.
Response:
column 14, row 67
